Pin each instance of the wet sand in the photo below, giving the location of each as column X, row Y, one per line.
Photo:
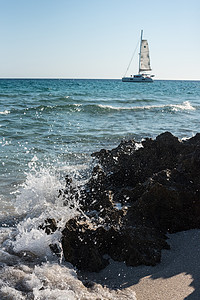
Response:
column 177, row 277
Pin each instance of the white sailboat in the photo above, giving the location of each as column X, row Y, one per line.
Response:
column 144, row 64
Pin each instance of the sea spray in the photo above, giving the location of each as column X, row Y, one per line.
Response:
column 29, row 269
column 40, row 199
column 39, row 191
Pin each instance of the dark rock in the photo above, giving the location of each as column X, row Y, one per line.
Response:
column 85, row 247
column 56, row 249
column 158, row 188
column 49, row 226
column 82, row 247
column 69, row 194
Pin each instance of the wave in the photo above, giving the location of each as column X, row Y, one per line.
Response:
column 53, row 281
column 28, row 268
column 41, row 108
column 174, row 107
column 100, row 108
column 5, row 112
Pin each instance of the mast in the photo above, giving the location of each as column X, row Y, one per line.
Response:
column 140, row 50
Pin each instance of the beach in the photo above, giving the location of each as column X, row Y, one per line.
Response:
column 176, row 277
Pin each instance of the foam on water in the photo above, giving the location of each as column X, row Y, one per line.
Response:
column 39, row 191
column 186, row 105
column 95, row 108
column 5, row 112
column 37, row 199
column 53, row 281
column 176, row 107
column 29, row 270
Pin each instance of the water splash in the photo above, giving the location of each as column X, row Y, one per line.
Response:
column 38, row 200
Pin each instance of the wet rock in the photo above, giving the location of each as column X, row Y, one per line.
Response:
column 96, row 196
column 69, row 194
column 85, row 247
column 82, row 247
column 157, row 190
column 136, row 245
column 49, row 226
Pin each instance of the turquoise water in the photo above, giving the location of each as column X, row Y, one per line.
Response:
column 49, row 128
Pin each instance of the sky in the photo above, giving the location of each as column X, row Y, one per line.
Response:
column 96, row 38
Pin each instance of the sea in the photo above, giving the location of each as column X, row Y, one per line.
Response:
column 48, row 129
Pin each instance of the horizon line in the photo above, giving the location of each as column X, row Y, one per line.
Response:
column 85, row 78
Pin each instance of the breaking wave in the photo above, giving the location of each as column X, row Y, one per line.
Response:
column 101, row 108
column 28, row 267
column 171, row 107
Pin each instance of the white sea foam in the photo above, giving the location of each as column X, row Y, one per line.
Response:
column 184, row 106
column 53, row 282
column 175, row 107
column 5, row 112
column 38, row 192
column 138, row 146
column 38, row 199
column 29, row 270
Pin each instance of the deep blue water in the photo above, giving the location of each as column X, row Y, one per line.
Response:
column 49, row 128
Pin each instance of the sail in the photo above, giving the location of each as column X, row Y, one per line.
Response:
column 144, row 57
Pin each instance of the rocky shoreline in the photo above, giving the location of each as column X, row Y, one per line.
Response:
column 138, row 192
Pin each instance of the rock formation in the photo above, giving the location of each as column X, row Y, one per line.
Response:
column 136, row 195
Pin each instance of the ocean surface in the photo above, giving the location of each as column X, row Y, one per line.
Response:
column 49, row 128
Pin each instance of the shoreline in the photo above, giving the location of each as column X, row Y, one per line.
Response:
column 150, row 246
column 176, row 277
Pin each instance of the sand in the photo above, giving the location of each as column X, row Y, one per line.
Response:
column 177, row 277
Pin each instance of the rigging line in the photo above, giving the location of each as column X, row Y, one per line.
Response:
column 131, row 59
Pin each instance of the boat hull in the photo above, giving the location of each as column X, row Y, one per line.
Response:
column 137, row 79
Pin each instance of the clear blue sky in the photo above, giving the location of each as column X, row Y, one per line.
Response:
column 96, row 38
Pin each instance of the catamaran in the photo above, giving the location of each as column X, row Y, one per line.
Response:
column 144, row 64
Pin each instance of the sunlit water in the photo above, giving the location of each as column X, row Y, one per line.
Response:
column 49, row 128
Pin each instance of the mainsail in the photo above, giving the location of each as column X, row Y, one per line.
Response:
column 144, row 64
column 144, row 57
